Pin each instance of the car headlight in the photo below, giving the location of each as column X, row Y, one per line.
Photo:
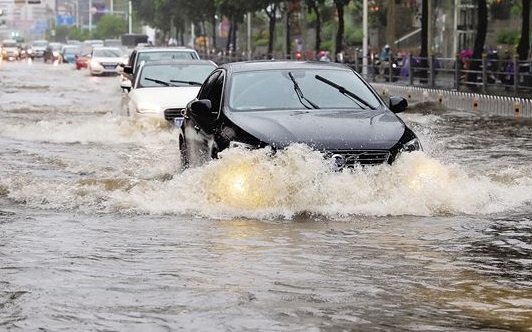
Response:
column 236, row 144
column 412, row 145
column 55, row 54
column 147, row 108
column 94, row 63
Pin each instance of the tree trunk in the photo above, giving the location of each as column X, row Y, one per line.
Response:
column 318, row 29
column 340, row 32
column 213, row 32
column 271, row 30
column 288, row 44
column 480, row 40
column 523, row 47
column 229, row 36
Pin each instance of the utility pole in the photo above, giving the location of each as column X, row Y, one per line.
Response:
column 90, row 17
column 130, row 17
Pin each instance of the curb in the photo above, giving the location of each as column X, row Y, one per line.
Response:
column 466, row 101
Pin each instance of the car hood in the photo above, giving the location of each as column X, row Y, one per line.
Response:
column 165, row 97
column 323, row 129
column 114, row 60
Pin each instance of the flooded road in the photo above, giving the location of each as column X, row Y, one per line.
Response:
column 100, row 231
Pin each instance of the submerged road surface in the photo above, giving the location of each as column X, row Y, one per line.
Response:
column 100, row 231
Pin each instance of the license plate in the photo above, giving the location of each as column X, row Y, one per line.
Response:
column 178, row 122
column 109, row 67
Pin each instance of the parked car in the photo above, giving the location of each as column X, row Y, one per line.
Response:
column 327, row 106
column 37, row 48
column 156, row 53
column 68, row 53
column 10, row 50
column 52, row 52
column 163, row 88
column 105, row 60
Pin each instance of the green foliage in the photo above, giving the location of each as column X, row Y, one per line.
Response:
column 110, row 27
column 508, row 37
column 261, row 42
column 353, row 35
column 327, row 45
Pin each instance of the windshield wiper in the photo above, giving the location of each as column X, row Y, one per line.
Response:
column 159, row 81
column 344, row 91
column 186, row 82
column 299, row 93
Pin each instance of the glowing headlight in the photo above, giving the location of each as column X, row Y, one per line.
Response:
column 236, row 144
column 94, row 63
column 412, row 145
column 55, row 53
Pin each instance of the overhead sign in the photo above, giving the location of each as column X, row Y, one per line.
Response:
column 65, row 19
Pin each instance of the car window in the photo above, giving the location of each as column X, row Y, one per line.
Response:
column 152, row 56
column 107, row 52
column 212, row 89
column 169, row 72
column 274, row 89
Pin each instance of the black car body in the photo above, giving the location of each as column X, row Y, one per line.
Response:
column 327, row 106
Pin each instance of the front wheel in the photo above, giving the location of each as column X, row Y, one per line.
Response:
column 183, row 154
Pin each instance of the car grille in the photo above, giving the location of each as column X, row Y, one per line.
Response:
column 360, row 157
column 172, row 113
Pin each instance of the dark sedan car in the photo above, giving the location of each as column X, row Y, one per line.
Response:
column 327, row 106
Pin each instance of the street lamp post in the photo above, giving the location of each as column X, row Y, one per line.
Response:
column 90, row 17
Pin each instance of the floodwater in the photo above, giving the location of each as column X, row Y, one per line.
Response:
column 99, row 230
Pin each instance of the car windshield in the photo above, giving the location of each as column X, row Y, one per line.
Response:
column 166, row 55
column 10, row 44
column 40, row 44
column 174, row 74
column 275, row 89
column 71, row 50
column 108, row 52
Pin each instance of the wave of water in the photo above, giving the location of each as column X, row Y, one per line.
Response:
column 243, row 183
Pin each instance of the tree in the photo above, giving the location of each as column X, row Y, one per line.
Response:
column 340, row 6
column 524, row 42
column 110, row 27
column 314, row 7
column 480, row 38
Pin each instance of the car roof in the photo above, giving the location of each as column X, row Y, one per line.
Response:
column 165, row 49
column 106, row 48
column 178, row 61
column 255, row 65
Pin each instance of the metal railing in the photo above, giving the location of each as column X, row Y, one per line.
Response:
column 504, row 77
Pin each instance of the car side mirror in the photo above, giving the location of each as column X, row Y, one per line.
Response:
column 200, row 108
column 126, row 85
column 397, row 104
column 201, row 111
column 128, row 69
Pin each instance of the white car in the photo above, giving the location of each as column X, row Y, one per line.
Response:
column 162, row 89
column 105, row 60
column 140, row 54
